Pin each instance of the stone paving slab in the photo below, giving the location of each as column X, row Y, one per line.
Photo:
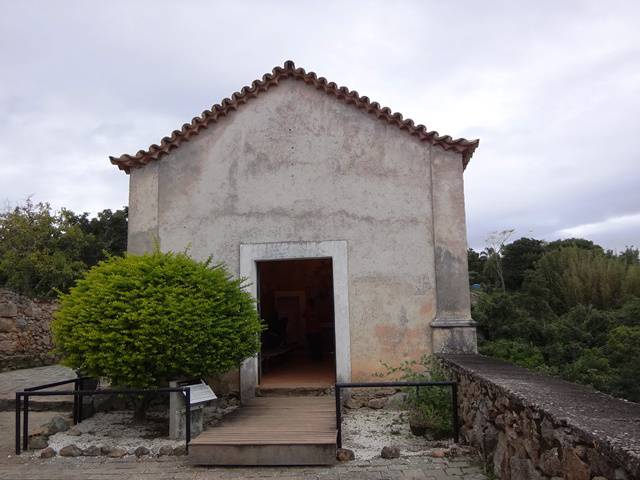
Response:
column 16, row 380
column 29, row 467
column 174, row 469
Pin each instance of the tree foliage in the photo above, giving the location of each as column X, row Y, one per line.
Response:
column 570, row 309
column 43, row 251
column 518, row 259
column 572, row 276
column 141, row 321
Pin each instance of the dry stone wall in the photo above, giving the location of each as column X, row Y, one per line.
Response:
column 25, row 337
column 531, row 426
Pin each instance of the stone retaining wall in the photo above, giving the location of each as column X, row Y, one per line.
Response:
column 25, row 338
column 531, row 426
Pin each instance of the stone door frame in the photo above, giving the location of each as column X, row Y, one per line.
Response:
column 251, row 253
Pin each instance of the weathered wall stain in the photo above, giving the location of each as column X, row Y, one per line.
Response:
column 297, row 165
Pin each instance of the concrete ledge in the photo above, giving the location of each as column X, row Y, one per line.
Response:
column 535, row 426
column 452, row 322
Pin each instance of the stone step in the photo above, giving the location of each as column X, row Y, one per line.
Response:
column 294, row 391
column 271, row 431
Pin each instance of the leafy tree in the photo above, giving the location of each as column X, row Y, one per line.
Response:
column 501, row 315
column 141, row 321
column 629, row 313
column 580, row 243
column 40, row 250
column 576, row 313
column 493, row 266
column 631, row 282
column 106, row 234
column 518, row 258
column 43, row 251
column 583, row 327
column 570, row 276
column 476, row 263
column 630, row 256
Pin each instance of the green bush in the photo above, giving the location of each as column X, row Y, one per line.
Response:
column 503, row 314
column 429, row 406
column 623, row 348
column 591, row 368
column 514, row 351
column 629, row 313
column 141, row 321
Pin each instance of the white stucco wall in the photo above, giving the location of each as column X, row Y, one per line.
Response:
column 295, row 164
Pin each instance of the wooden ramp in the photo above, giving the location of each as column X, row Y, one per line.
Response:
column 271, row 431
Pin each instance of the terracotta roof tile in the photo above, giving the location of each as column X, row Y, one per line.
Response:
column 289, row 70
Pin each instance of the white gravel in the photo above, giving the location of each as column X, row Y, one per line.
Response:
column 366, row 431
column 117, row 429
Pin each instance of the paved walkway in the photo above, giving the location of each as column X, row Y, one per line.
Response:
column 11, row 382
column 28, row 467
column 411, row 468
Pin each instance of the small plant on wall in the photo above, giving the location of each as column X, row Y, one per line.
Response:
column 429, row 408
column 143, row 320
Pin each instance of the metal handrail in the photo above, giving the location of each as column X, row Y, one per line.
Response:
column 454, row 399
column 77, row 406
column 55, row 384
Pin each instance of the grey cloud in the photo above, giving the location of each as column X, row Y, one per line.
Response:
column 552, row 89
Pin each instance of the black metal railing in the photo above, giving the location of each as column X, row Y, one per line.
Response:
column 22, row 404
column 443, row 384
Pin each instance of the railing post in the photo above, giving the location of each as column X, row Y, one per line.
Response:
column 454, row 405
column 188, row 418
column 339, row 417
column 25, row 425
column 17, row 423
column 75, row 401
column 80, row 387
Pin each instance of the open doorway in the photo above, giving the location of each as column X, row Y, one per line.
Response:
column 296, row 302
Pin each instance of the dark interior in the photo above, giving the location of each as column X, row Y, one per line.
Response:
column 296, row 303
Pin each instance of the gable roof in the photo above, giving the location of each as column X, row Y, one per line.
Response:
column 289, row 70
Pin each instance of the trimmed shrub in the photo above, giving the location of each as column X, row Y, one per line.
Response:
column 141, row 321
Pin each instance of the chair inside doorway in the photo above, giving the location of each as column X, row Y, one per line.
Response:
column 296, row 304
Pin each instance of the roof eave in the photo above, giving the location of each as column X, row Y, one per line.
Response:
column 128, row 162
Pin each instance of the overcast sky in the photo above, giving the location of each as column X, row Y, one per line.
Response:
column 552, row 89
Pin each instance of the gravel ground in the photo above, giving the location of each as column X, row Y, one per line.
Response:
column 117, row 429
column 367, row 431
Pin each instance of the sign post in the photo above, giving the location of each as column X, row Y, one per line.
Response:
column 199, row 395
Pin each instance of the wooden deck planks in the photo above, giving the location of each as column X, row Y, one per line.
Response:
column 276, row 421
